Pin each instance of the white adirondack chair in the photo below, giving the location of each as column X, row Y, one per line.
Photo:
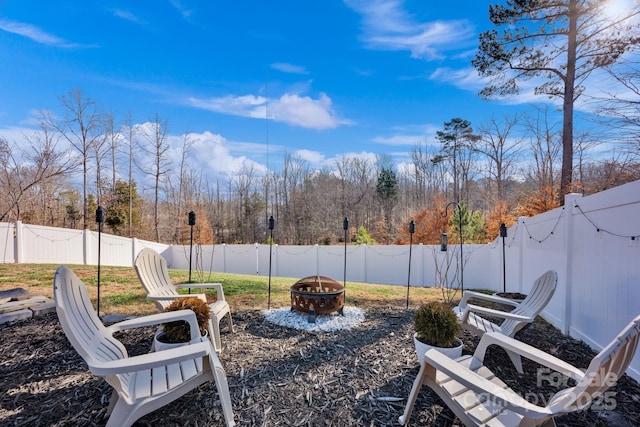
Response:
column 523, row 313
column 141, row 384
column 479, row 398
column 152, row 271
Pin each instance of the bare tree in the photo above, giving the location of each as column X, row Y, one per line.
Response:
column 157, row 146
column 37, row 164
column 560, row 41
column 249, row 205
column 427, row 174
column 183, row 198
column 113, row 137
column 501, row 149
column 129, row 130
column 100, row 147
column 80, row 126
column 620, row 109
column 545, row 150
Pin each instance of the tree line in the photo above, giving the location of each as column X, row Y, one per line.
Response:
column 495, row 174
column 510, row 166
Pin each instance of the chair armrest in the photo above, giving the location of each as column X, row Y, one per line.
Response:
column 486, row 297
column 216, row 286
column 150, row 360
column 158, row 319
column 485, row 387
column 524, row 350
column 495, row 313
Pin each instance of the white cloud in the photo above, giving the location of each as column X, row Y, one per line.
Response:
column 464, row 78
column 469, row 79
column 313, row 157
column 182, row 8
column 387, row 26
column 304, row 112
column 34, row 33
column 397, row 140
column 128, row 16
column 245, row 106
column 16, row 134
column 293, row 109
column 364, row 156
column 289, row 68
column 409, row 135
column 212, row 153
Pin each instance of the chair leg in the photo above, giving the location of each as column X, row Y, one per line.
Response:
column 516, row 360
column 214, row 332
column 230, row 322
column 417, row 385
column 222, row 386
column 113, row 400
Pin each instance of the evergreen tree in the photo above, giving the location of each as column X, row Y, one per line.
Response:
column 457, row 140
column 117, row 209
column 363, row 238
column 559, row 41
column 387, row 190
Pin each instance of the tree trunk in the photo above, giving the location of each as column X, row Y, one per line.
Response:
column 567, row 120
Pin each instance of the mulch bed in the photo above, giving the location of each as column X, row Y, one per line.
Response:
column 278, row 376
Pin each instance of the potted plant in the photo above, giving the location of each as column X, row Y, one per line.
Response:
column 437, row 326
column 178, row 332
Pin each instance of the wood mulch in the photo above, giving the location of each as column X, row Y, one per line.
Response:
column 279, row 376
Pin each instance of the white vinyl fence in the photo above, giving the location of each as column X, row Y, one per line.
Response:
column 593, row 243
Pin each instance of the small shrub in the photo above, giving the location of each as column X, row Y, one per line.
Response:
column 437, row 324
column 178, row 331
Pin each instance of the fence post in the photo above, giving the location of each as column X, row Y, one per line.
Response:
column 224, row 257
column 257, row 247
column 19, row 243
column 85, row 246
column 134, row 250
column 421, row 258
column 569, row 202
column 522, row 251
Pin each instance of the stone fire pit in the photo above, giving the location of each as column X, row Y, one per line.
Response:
column 317, row 295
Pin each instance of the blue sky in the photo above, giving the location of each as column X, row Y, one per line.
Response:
column 334, row 78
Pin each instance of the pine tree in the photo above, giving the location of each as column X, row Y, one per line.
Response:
column 560, row 41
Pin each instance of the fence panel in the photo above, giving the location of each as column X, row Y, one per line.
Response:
column 7, row 242
column 51, row 245
column 605, row 289
column 296, row 261
column 114, row 250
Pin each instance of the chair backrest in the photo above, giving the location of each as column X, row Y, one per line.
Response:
column 536, row 300
column 81, row 324
column 153, row 273
column 604, row 370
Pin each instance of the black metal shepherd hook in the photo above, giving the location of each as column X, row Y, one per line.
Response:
column 272, row 224
column 100, row 216
column 412, row 229
column 345, row 226
column 503, row 234
column 192, row 222
column 444, row 239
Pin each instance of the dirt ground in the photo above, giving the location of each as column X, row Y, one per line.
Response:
column 277, row 376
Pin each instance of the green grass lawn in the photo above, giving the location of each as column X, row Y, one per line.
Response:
column 121, row 292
